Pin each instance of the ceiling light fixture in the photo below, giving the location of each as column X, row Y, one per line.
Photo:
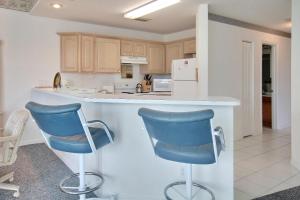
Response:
column 150, row 7
column 56, row 5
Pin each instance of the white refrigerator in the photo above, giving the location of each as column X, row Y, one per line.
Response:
column 185, row 77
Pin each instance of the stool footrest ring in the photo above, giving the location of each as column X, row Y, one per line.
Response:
column 74, row 190
column 171, row 185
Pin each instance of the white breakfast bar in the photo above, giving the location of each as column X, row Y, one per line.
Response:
column 130, row 168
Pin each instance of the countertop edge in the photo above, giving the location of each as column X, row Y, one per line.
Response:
column 210, row 101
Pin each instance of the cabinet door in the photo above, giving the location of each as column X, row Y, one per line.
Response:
column 267, row 112
column 126, row 48
column 107, row 55
column 189, row 46
column 87, row 53
column 173, row 51
column 156, row 58
column 70, row 53
column 139, row 49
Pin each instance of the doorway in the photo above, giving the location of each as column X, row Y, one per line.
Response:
column 267, row 85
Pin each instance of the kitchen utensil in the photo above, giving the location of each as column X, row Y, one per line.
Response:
column 138, row 88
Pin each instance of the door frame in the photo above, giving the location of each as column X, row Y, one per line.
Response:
column 251, row 76
column 274, row 72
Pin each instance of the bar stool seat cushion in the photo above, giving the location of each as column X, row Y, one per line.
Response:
column 203, row 154
column 79, row 143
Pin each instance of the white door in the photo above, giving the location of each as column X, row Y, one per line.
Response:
column 247, row 103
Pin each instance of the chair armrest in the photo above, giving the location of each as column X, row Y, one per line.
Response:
column 218, row 131
column 8, row 138
column 106, row 129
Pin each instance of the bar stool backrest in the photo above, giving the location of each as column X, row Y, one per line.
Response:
column 60, row 120
column 57, row 120
column 179, row 128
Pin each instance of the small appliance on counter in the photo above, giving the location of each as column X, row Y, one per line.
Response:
column 185, row 77
column 162, row 85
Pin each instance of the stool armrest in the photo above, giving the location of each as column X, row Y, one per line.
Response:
column 218, row 131
column 8, row 138
column 106, row 129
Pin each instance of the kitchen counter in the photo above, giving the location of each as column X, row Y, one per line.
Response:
column 131, row 169
column 136, row 98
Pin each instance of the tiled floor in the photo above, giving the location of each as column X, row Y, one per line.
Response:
column 262, row 165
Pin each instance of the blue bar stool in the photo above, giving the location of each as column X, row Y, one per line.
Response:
column 65, row 129
column 184, row 137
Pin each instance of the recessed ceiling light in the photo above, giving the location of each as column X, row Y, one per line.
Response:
column 150, row 7
column 56, row 5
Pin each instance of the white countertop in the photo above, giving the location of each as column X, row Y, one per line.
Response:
column 153, row 98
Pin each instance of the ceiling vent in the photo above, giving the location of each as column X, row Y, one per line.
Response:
column 141, row 19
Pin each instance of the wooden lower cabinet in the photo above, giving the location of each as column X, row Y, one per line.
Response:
column 267, row 111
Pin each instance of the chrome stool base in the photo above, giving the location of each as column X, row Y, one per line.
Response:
column 184, row 183
column 75, row 190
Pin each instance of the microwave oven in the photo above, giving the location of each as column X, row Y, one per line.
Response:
column 162, row 85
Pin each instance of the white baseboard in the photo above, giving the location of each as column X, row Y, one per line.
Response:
column 32, row 141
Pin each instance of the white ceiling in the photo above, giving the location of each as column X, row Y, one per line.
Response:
column 269, row 13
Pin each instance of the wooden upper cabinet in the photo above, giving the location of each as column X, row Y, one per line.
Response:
column 126, row 48
column 133, row 48
column 139, row 49
column 107, row 55
column 70, row 53
column 189, row 47
column 87, row 53
column 173, row 51
column 84, row 52
column 156, row 58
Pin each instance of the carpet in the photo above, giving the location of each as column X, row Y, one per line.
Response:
column 38, row 172
column 289, row 194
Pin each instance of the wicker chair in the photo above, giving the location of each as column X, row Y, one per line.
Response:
column 9, row 144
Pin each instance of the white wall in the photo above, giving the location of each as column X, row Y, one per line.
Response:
column 31, row 55
column 225, row 69
column 295, row 83
column 202, row 30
